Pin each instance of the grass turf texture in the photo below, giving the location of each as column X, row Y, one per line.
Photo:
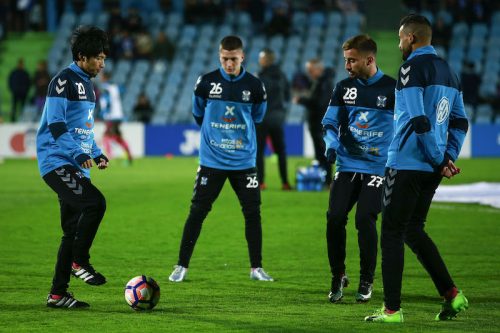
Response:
column 141, row 231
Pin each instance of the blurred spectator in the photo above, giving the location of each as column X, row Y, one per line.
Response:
column 478, row 11
column 133, row 22
column 280, row 23
column 143, row 109
column 272, row 126
column 3, row 19
column 127, row 45
column 41, row 80
column 19, row 85
column 115, row 21
column 36, row 18
column 347, row 6
column 470, row 85
column 316, row 103
column 163, row 48
column 143, row 45
column 441, row 33
column 19, row 11
column 204, row 11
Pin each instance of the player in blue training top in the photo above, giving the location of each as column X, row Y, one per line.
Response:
column 227, row 103
column 66, row 151
column 430, row 128
column 358, row 127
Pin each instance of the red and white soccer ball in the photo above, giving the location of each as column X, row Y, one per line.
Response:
column 142, row 293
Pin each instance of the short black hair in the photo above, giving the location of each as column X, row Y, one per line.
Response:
column 231, row 43
column 418, row 25
column 362, row 43
column 89, row 41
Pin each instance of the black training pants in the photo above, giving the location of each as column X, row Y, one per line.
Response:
column 208, row 184
column 277, row 134
column 82, row 209
column 347, row 189
column 406, row 200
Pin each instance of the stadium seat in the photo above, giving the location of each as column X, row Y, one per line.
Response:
column 484, row 114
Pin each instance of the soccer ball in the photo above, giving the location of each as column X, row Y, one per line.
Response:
column 142, row 293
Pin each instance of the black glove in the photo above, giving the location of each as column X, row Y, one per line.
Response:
column 331, row 155
column 80, row 159
column 97, row 159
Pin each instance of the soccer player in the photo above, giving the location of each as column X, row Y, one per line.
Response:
column 358, row 127
column 66, row 150
column 112, row 112
column 430, row 127
column 227, row 103
column 278, row 90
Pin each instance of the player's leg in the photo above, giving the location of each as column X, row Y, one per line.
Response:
column 62, row 274
column 208, row 184
column 427, row 252
column 59, row 296
column 401, row 190
column 121, row 141
column 343, row 195
column 367, row 209
column 277, row 135
column 246, row 186
column 78, row 192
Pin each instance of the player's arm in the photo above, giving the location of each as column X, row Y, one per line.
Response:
column 199, row 101
column 412, row 94
column 457, row 128
column 259, row 105
column 331, row 124
column 57, row 103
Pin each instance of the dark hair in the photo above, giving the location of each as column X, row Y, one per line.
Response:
column 362, row 43
column 269, row 54
column 418, row 25
column 231, row 43
column 88, row 41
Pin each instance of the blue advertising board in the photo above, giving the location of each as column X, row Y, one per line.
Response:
column 485, row 140
column 185, row 140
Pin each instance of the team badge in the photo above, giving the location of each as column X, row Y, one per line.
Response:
column 246, row 95
column 381, row 101
column 442, row 110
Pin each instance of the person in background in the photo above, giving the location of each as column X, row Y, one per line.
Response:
column 143, row 110
column 316, row 103
column 110, row 104
column 278, row 94
column 19, row 85
column 41, row 80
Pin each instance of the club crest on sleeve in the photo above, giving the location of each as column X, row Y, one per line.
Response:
column 246, row 95
column 381, row 101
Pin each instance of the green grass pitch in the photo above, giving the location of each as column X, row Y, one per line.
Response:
column 140, row 234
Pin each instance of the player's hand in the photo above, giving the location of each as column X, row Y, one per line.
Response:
column 84, row 161
column 331, row 155
column 102, row 161
column 453, row 168
column 87, row 164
